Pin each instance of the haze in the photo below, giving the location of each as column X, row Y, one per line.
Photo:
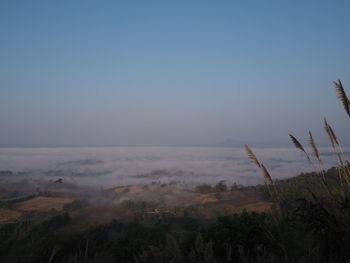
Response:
column 171, row 72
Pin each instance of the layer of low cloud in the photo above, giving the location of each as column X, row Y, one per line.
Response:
column 115, row 166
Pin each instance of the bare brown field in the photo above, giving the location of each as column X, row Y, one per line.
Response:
column 257, row 207
column 237, row 198
column 8, row 214
column 42, row 203
column 134, row 189
column 69, row 195
column 164, row 199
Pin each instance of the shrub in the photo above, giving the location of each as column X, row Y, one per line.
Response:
column 204, row 188
column 221, row 187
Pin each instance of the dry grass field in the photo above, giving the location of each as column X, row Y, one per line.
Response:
column 42, row 203
column 8, row 214
column 99, row 209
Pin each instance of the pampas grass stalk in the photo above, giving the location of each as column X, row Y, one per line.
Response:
column 315, row 150
column 322, row 171
column 317, row 155
column 330, row 133
column 267, row 177
column 342, row 96
column 340, row 155
column 346, row 105
column 252, row 155
column 299, row 146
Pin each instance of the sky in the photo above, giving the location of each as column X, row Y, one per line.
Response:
column 171, row 72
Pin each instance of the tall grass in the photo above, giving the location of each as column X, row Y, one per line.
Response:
column 342, row 163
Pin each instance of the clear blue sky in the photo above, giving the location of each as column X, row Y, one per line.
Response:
column 171, row 72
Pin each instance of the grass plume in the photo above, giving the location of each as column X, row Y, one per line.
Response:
column 299, row 146
column 266, row 174
column 314, row 148
column 252, row 155
column 267, row 177
column 342, row 96
column 330, row 133
column 342, row 162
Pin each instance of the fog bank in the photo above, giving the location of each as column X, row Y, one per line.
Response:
column 116, row 166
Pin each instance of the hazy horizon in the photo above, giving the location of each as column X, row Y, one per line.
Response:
column 157, row 73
